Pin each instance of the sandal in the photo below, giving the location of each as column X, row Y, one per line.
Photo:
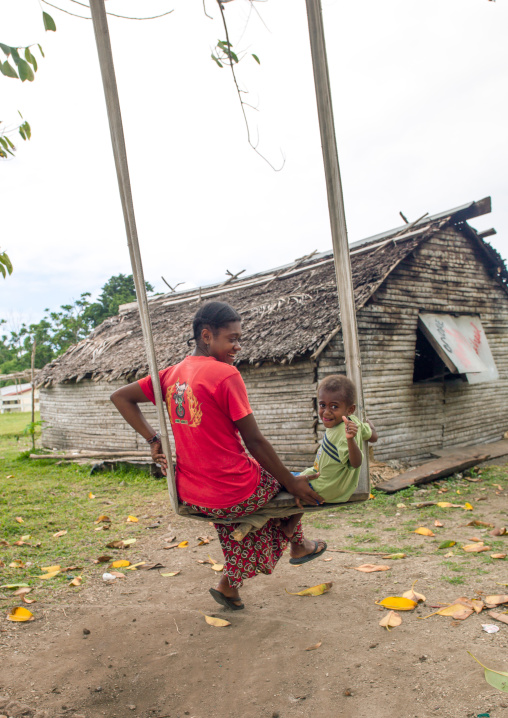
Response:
column 225, row 601
column 309, row 556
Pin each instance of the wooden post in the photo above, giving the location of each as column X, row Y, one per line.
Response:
column 32, row 367
column 102, row 39
column 337, row 215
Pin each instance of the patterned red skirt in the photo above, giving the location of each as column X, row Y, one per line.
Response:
column 259, row 551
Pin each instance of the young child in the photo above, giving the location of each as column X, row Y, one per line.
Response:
column 339, row 457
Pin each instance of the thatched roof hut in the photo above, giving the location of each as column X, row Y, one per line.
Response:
column 292, row 338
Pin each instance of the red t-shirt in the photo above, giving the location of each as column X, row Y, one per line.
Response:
column 204, row 398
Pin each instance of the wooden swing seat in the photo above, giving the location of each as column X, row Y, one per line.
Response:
column 282, row 500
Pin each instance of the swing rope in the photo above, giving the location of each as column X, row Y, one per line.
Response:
column 337, row 222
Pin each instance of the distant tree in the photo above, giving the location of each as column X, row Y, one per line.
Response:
column 117, row 290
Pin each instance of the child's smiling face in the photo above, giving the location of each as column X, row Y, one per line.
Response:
column 332, row 407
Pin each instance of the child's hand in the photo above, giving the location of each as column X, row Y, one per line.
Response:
column 351, row 428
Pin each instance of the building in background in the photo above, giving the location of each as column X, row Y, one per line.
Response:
column 17, row 398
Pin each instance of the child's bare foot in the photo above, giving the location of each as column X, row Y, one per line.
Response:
column 289, row 525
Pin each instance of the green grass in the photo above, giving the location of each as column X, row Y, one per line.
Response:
column 13, row 425
column 51, row 498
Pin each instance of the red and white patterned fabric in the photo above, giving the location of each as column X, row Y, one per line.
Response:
column 259, row 551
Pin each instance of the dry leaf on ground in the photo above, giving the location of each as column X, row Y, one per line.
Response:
column 313, row 590
column 497, row 555
column 499, row 616
column 132, row 520
column 438, row 524
column 313, row 648
column 218, row 567
column 398, row 603
column 20, row 614
column 49, row 574
column 468, row 506
column 480, row 523
column 413, row 595
column 50, row 569
column 76, row 581
column 59, row 533
column 390, row 620
column 183, row 544
column 91, row 496
column 134, row 566
column 117, row 574
column 371, row 568
column 218, row 622
column 495, row 600
column 423, row 531
column 475, row 547
column 171, row 545
column 498, row 532
column 22, row 591
column 457, row 611
column 393, row 556
column 172, row 573
column 17, row 564
column 120, row 564
column 476, row 539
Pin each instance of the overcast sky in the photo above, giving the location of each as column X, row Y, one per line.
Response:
column 420, row 92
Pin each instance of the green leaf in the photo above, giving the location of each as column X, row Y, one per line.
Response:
column 28, row 130
column 233, row 56
column 15, row 55
column 216, row 59
column 497, row 679
column 9, row 142
column 2, row 270
column 447, row 544
column 5, row 49
column 4, row 143
column 9, row 71
column 30, row 58
column 223, row 44
column 4, row 260
column 49, row 23
column 25, row 71
column 256, row 59
column 22, row 132
column 41, row 50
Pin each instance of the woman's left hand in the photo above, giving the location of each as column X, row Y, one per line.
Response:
column 159, row 457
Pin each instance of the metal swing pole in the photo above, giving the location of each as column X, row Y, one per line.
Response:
column 337, row 217
column 102, row 39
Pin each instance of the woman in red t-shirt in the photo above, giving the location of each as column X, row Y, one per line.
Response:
column 209, row 410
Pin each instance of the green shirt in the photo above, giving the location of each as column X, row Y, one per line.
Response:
column 338, row 479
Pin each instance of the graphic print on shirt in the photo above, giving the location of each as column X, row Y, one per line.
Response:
column 187, row 409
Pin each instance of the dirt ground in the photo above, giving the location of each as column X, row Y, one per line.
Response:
column 149, row 653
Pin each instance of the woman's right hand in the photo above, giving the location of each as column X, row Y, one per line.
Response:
column 303, row 493
column 159, row 457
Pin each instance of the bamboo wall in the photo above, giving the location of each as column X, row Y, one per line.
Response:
column 412, row 419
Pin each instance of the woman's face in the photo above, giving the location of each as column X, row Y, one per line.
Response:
column 225, row 344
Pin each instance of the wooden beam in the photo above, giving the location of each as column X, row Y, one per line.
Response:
column 100, row 24
column 337, row 216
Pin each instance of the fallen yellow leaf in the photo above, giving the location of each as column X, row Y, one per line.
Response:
column 172, row 573
column 26, row 537
column 17, row 564
column 496, row 600
column 19, row 520
column 212, row 621
column 50, row 574
column 102, row 518
column 20, row 614
column 117, row 574
column 120, row 564
column 467, row 506
column 497, row 555
column 132, row 519
column 390, row 619
column 395, row 556
column 314, row 590
column 91, row 496
column 423, row 531
column 401, row 506
column 371, row 568
column 313, row 648
column 399, row 603
column 183, row 544
column 59, row 533
column 134, row 566
column 438, row 524
column 50, row 569
column 76, row 581
column 457, row 611
column 218, row 567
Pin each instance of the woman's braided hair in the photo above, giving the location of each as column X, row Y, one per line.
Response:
column 213, row 315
